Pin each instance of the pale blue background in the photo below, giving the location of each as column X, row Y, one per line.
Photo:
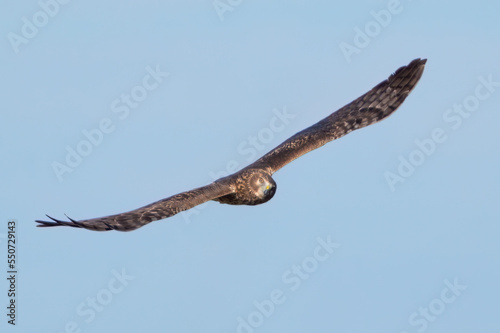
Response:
column 199, row 273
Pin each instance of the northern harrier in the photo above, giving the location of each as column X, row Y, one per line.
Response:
column 254, row 185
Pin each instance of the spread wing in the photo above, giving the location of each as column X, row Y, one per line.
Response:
column 156, row 211
column 375, row 105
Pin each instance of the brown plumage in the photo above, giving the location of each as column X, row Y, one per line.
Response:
column 254, row 185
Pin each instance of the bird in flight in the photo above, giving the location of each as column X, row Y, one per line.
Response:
column 253, row 185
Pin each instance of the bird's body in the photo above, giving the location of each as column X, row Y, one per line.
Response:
column 254, row 184
column 252, row 187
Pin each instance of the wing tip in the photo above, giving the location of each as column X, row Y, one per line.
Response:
column 419, row 63
column 415, row 64
column 78, row 224
column 57, row 223
column 407, row 76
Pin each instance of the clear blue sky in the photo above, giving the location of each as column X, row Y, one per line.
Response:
column 393, row 228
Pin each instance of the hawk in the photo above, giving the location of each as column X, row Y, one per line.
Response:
column 254, row 185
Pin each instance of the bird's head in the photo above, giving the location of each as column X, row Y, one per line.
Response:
column 263, row 186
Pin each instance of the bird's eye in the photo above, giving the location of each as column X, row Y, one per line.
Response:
column 261, row 181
